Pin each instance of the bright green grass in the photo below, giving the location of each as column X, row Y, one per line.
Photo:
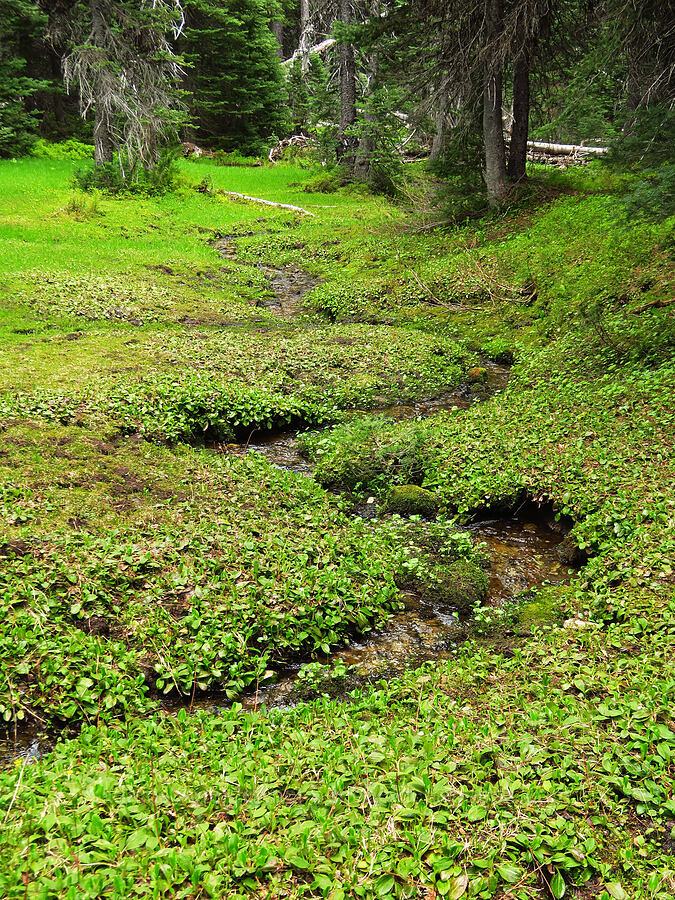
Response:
column 532, row 760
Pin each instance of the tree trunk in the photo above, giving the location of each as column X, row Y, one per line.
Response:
column 277, row 29
column 438, row 143
column 103, row 143
column 345, row 141
column 363, row 163
column 304, row 15
column 493, row 128
column 306, row 38
column 521, row 118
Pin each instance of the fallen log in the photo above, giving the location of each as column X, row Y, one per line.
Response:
column 319, row 48
column 297, row 209
column 565, row 149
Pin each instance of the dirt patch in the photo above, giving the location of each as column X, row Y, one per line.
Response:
column 15, row 547
column 132, row 484
column 101, row 626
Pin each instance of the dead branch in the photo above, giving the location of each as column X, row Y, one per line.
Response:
column 297, row 209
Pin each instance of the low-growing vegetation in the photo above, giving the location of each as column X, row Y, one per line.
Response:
column 148, row 561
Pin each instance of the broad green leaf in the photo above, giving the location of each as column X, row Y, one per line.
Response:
column 458, row 886
column 509, row 872
column 558, row 886
column 384, row 885
column 476, row 813
column 616, row 891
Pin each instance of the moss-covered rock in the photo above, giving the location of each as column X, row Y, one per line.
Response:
column 546, row 607
column 477, row 375
column 411, row 500
column 460, row 586
column 570, row 553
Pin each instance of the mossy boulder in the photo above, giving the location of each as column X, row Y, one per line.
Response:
column 460, row 586
column 411, row 500
column 546, row 607
column 570, row 553
column 477, row 375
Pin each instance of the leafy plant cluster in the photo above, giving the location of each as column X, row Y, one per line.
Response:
column 111, row 178
column 96, row 297
column 117, row 581
column 70, row 149
column 406, row 789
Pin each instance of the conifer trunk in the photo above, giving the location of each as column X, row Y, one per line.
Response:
column 345, row 141
column 103, row 143
column 493, row 128
column 277, row 29
column 438, row 143
column 521, row 118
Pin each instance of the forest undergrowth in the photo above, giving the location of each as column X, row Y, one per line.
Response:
column 140, row 560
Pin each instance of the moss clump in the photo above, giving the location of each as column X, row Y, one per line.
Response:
column 546, row 607
column 411, row 500
column 477, row 375
column 461, row 586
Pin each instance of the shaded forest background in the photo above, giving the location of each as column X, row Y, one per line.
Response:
column 371, row 83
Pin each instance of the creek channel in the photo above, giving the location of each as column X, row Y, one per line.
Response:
column 522, row 549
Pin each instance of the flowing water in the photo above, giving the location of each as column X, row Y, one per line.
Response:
column 521, row 550
column 281, row 449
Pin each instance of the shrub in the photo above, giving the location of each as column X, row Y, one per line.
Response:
column 235, row 158
column 70, row 149
column 109, row 178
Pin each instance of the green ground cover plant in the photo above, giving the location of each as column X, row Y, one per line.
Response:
column 139, row 559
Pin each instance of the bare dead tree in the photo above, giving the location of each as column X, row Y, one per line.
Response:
column 118, row 56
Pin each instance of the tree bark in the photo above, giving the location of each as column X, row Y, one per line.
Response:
column 521, row 118
column 103, row 143
column 306, row 38
column 304, row 15
column 277, row 29
column 363, row 162
column 345, row 141
column 438, row 143
column 493, row 128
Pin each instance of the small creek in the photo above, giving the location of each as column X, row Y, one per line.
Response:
column 522, row 554
column 521, row 549
column 287, row 284
column 281, row 447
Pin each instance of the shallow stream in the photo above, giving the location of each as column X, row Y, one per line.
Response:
column 521, row 549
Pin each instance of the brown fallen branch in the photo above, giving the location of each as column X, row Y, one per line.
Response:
column 654, row 304
column 456, row 307
column 497, row 290
column 455, row 220
column 297, row 209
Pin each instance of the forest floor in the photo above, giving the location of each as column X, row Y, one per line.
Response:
column 146, row 556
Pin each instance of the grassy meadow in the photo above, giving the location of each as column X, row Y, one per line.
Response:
column 142, row 561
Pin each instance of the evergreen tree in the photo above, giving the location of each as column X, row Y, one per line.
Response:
column 234, row 74
column 19, row 22
column 116, row 54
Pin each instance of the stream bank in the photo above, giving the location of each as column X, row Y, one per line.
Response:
column 522, row 553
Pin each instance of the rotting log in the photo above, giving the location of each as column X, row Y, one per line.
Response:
column 565, row 149
column 297, row 209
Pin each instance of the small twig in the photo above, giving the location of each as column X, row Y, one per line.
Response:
column 16, row 789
